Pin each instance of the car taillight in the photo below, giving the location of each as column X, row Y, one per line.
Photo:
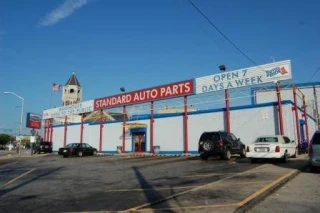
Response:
column 277, row 149
column 248, row 149
column 310, row 150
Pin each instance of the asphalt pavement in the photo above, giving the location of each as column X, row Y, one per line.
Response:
column 301, row 194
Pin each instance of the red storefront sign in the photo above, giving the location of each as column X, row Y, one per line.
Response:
column 151, row 94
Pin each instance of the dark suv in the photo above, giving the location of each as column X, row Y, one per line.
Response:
column 220, row 143
column 43, row 147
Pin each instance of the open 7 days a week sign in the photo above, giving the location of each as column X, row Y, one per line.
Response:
column 244, row 77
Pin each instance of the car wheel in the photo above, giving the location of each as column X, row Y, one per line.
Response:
column 243, row 152
column 296, row 153
column 80, row 154
column 227, row 154
column 207, row 145
column 285, row 158
column 65, row 156
column 313, row 169
column 204, row 157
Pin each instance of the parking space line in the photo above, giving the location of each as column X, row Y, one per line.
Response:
column 8, row 164
column 188, row 191
column 206, row 175
column 265, row 188
column 151, row 189
column 20, row 176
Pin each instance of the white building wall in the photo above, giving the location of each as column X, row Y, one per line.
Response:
column 94, row 135
column 248, row 124
column 111, row 136
column 73, row 134
column 199, row 123
column 289, row 122
column 86, row 133
column 57, row 138
column 168, row 134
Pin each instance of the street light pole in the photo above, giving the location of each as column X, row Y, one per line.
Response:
column 21, row 114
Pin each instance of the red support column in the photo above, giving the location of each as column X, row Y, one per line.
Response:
column 81, row 128
column 305, row 118
column 185, row 124
column 226, row 93
column 51, row 129
column 151, row 127
column 279, row 108
column 45, row 137
column 101, row 128
column 296, row 114
column 124, row 130
column 65, row 130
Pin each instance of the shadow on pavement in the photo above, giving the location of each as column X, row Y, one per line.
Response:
column 152, row 195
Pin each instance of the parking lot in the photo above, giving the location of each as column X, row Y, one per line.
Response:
column 127, row 183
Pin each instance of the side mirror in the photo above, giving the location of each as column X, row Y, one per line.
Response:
column 239, row 139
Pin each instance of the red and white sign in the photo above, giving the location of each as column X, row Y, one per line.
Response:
column 151, row 94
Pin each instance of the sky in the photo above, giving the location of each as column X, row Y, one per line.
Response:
column 143, row 43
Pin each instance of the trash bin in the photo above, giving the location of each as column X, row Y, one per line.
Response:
column 119, row 149
column 156, row 149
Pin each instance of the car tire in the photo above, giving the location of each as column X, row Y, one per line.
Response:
column 296, row 153
column 313, row 169
column 227, row 154
column 243, row 152
column 80, row 153
column 65, row 156
column 204, row 156
column 285, row 158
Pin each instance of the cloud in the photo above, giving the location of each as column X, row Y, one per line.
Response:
column 63, row 11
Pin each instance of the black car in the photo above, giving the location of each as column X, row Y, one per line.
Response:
column 77, row 149
column 45, row 147
column 220, row 143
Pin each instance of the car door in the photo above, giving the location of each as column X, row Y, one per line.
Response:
column 233, row 141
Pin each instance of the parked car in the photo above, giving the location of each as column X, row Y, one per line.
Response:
column 272, row 147
column 314, row 151
column 220, row 143
column 77, row 149
column 44, row 146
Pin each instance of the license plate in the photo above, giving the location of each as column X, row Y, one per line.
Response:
column 65, row 150
column 46, row 147
column 262, row 149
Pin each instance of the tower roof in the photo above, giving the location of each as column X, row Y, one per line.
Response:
column 73, row 80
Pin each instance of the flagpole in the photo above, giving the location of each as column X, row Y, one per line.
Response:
column 51, row 98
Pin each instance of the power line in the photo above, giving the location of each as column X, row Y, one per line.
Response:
column 221, row 33
column 314, row 74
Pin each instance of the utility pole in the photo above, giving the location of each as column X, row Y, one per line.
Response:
column 316, row 105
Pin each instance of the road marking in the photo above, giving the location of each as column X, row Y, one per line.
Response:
column 8, row 164
column 187, row 191
column 190, row 207
column 151, row 189
column 206, row 175
column 20, row 176
column 263, row 189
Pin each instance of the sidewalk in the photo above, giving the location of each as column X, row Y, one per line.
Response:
column 302, row 194
column 5, row 154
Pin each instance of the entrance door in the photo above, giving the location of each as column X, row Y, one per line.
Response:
column 139, row 140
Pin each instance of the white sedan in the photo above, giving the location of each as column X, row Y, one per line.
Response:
column 272, row 146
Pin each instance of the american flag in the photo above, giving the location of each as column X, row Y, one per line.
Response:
column 56, row 87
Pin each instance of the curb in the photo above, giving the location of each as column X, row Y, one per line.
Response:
column 260, row 196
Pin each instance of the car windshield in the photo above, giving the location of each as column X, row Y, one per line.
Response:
column 316, row 138
column 267, row 140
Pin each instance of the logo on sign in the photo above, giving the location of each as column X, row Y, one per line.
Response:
column 276, row 72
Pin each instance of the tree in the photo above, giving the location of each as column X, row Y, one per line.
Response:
column 4, row 138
